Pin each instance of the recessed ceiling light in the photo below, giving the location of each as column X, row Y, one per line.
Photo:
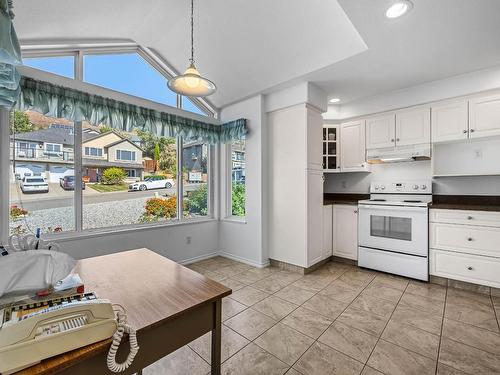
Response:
column 398, row 9
column 334, row 100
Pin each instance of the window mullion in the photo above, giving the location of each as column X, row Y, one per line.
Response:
column 78, row 168
column 79, row 66
column 180, row 186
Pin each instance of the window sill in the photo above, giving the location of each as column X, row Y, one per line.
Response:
column 95, row 233
column 235, row 219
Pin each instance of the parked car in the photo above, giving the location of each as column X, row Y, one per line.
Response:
column 34, row 184
column 152, row 182
column 68, row 183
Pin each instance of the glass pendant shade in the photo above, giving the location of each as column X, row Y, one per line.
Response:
column 191, row 83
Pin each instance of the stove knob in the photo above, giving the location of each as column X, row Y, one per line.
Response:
column 376, row 187
column 415, row 187
column 382, row 187
column 423, row 187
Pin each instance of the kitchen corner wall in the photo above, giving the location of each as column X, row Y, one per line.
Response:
column 360, row 182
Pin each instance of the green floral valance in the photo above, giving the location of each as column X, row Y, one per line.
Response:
column 63, row 102
column 10, row 57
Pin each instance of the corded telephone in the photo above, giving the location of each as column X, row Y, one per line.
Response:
column 35, row 331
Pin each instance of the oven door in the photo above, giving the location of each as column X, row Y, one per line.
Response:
column 394, row 228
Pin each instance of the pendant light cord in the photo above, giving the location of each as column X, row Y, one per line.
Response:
column 192, row 32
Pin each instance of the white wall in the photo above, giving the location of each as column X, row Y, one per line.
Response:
column 247, row 240
column 169, row 241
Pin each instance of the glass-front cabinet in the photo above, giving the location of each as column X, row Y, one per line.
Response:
column 331, row 161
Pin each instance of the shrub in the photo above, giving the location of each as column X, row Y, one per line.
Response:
column 16, row 212
column 113, row 176
column 197, row 202
column 161, row 208
column 238, row 199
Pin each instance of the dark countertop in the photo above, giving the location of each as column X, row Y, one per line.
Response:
column 343, row 198
column 466, row 202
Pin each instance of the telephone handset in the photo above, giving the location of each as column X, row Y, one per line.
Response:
column 35, row 331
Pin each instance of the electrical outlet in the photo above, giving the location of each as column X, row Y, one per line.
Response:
column 478, row 154
column 188, row 240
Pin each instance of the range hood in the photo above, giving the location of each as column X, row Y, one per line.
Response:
column 399, row 154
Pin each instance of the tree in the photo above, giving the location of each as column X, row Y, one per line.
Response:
column 198, row 201
column 113, row 176
column 168, row 158
column 156, row 155
column 22, row 123
column 105, row 129
column 238, row 199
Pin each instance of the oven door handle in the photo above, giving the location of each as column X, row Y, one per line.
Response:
column 392, row 208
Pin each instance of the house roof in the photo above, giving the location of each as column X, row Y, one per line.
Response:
column 121, row 141
column 89, row 163
column 51, row 135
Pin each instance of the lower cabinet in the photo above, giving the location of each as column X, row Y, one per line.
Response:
column 345, row 231
column 464, row 246
column 327, row 231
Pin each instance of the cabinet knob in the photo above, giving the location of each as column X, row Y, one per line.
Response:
column 470, row 268
column 469, row 218
column 397, row 139
column 392, row 140
column 355, row 211
column 465, row 131
column 469, row 239
column 472, row 130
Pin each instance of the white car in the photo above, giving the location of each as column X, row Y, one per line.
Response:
column 34, row 184
column 152, row 182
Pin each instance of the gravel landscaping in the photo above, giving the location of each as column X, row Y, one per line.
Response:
column 96, row 215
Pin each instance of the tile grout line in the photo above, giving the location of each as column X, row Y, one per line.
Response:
column 386, row 324
column 442, row 328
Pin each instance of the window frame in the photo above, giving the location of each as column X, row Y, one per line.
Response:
column 133, row 155
column 157, row 63
column 99, row 151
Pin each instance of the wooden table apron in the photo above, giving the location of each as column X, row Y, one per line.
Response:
column 169, row 305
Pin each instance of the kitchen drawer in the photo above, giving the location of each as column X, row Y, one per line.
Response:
column 481, row 218
column 465, row 238
column 465, row 267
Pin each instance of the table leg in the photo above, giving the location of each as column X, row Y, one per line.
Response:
column 216, row 338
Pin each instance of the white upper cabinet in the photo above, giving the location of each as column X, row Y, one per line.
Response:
column 449, row 121
column 413, row 126
column 352, row 147
column 380, row 131
column 313, row 138
column 484, row 116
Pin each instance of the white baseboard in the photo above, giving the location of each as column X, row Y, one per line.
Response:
column 244, row 260
column 198, row 258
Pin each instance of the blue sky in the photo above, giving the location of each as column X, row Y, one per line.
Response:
column 127, row 73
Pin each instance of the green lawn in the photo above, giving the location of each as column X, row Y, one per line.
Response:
column 108, row 188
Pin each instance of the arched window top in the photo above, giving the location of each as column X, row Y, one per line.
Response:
column 130, row 70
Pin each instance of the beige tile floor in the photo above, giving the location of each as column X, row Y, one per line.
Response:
column 343, row 320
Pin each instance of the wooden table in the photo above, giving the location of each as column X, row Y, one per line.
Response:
column 169, row 305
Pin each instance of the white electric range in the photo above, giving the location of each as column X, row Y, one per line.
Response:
column 393, row 230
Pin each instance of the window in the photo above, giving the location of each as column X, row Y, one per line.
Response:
column 238, row 178
column 130, row 172
column 128, row 73
column 93, row 151
column 195, row 178
column 51, row 148
column 125, row 155
column 38, row 199
column 60, row 65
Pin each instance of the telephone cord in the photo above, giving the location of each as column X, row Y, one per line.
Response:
column 123, row 327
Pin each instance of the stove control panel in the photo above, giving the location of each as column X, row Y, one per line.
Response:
column 408, row 187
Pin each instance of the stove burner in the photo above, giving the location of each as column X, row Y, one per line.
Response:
column 412, row 201
column 378, row 200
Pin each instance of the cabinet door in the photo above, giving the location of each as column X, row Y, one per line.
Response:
column 352, row 146
column 380, row 131
column 345, row 231
column 314, row 136
column 449, row 121
column 484, row 116
column 314, row 196
column 413, row 126
column 327, row 231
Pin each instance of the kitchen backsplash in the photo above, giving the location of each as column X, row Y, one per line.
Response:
column 360, row 182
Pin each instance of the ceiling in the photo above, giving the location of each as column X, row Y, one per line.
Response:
column 347, row 47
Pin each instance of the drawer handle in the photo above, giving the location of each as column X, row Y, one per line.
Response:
column 469, row 239
column 470, row 268
column 469, row 218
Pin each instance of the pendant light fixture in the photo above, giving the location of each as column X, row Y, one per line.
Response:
column 191, row 83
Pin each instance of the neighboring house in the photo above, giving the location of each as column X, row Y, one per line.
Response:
column 194, row 161
column 238, row 162
column 49, row 153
